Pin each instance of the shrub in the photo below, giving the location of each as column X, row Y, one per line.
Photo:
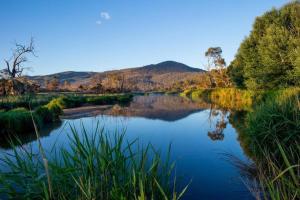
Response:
column 51, row 111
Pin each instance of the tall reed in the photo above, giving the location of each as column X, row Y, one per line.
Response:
column 97, row 165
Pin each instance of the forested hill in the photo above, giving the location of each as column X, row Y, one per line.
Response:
column 150, row 77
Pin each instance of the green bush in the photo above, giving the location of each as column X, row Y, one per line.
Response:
column 17, row 121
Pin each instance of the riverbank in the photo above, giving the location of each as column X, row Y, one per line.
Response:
column 270, row 132
column 18, row 120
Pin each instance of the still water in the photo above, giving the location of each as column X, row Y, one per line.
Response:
column 200, row 136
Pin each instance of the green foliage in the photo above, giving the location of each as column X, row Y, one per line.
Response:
column 270, row 56
column 50, row 112
column 98, row 165
column 72, row 101
column 278, row 174
column 25, row 101
column 18, row 121
column 276, row 118
column 109, row 99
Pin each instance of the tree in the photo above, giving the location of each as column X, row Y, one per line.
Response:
column 216, row 67
column 53, row 84
column 114, row 82
column 15, row 65
column 66, row 85
column 270, row 56
column 97, row 84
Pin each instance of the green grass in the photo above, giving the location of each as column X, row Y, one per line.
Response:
column 276, row 118
column 98, row 165
column 18, row 120
column 25, row 101
column 271, row 135
column 268, row 122
column 279, row 174
column 66, row 100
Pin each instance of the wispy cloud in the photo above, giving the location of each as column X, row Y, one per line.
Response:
column 105, row 15
column 98, row 22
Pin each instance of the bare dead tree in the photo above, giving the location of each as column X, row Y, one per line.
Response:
column 15, row 65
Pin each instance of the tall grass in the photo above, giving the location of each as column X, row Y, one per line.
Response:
column 279, row 174
column 275, row 177
column 278, row 118
column 98, row 165
column 271, row 134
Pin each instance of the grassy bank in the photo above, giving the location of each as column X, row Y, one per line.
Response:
column 272, row 133
column 268, row 122
column 229, row 98
column 234, row 98
column 98, row 165
column 19, row 120
column 25, row 101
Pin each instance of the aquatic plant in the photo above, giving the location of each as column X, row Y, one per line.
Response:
column 97, row 165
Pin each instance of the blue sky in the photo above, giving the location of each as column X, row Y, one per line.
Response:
column 99, row 35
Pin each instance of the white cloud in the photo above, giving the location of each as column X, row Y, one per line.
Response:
column 98, row 22
column 105, row 15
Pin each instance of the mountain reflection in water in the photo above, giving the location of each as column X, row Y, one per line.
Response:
column 162, row 107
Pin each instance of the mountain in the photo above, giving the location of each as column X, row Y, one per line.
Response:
column 166, row 67
column 145, row 78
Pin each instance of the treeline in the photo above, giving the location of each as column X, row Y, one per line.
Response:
column 119, row 82
column 270, row 56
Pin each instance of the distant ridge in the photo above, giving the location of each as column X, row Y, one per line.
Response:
column 146, row 74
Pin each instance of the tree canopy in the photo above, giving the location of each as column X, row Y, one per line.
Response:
column 270, row 56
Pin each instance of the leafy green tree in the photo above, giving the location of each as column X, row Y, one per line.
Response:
column 270, row 56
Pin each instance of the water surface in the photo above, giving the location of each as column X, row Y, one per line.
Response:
column 199, row 135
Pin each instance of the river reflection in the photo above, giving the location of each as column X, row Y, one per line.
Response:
column 199, row 134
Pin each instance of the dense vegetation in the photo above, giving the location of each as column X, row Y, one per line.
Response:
column 16, row 119
column 98, row 165
column 269, row 125
column 271, row 132
column 270, row 56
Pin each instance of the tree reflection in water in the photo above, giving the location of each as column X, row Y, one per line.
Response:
column 220, row 125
